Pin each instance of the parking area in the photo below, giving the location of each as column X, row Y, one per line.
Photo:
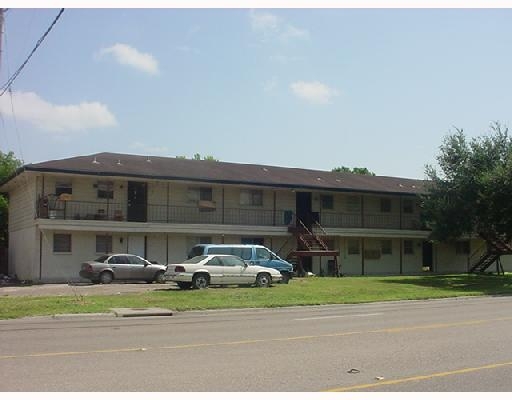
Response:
column 64, row 289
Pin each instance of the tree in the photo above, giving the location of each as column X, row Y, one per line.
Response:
column 8, row 165
column 355, row 170
column 473, row 192
column 198, row 157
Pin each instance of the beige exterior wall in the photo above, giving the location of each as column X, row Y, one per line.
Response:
column 23, row 253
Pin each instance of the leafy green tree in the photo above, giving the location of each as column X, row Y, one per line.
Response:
column 472, row 192
column 8, row 165
column 198, row 157
column 355, row 170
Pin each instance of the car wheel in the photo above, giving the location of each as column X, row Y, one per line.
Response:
column 286, row 277
column 200, row 281
column 159, row 277
column 95, row 281
column 263, row 280
column 106, row 277
column 184, row 285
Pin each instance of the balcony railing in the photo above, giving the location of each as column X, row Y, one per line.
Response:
column 155, row 213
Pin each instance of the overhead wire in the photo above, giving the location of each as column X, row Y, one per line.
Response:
column 13, row 77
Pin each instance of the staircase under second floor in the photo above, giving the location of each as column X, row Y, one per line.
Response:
column 495, row 248
column 311, row 245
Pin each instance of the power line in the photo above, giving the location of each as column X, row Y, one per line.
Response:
column 13, row 77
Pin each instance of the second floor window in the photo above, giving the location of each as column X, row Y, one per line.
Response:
column 195, row 194
column 105, row 190
column 63, row 188
column 251, row 197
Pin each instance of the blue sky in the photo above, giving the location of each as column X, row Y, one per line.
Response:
column 309, row 88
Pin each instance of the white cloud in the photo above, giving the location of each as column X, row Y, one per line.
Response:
column 128, row 55
column 271, row 26
column 313, row 92
column 29, row 107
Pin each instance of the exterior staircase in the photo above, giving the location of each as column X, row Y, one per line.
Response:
column 496, row 247
column 310, row 244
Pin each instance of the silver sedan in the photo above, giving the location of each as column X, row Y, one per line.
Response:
column 201, row 271
column 122, row 267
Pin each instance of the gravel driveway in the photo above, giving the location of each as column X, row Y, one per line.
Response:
column 64, row 289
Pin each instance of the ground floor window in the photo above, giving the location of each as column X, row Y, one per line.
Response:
column 62, row 243
column 103, row 244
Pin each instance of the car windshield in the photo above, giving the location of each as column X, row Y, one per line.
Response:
column 102, row 258
column 195, row 260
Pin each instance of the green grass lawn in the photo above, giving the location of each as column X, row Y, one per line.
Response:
column 303, row 291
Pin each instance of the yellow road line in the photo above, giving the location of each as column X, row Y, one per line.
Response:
column 418, row 378
column 254, row 341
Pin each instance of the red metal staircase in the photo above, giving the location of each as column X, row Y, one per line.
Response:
column 310, row 244
column 496, row 247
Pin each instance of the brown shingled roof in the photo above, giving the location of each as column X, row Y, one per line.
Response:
column 167, row 168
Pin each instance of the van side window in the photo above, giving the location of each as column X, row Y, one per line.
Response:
column 246, row 253
column 219, row 250
column 262, row 254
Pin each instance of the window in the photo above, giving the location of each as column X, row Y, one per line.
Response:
column 119, row 260
column 462, row 247
column 386, row 247
column 214, row 261
column 353, row 247
column 327, row 202
column 105, row 190
column 353, row 204
column 136, row 260
column 408, row 247
column 263, row 254
column 251, row 197
column 61, row 243
column 103, row 244
column 408, row 206
column 385, row 205
column 253, row 240
column 195, row 194
column 63, row 188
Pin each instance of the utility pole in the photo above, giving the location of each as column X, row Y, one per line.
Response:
column 1, row 34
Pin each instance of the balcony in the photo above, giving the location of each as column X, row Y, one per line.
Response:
column 155, row 213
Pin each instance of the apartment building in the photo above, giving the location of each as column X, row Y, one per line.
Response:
column 63, row 212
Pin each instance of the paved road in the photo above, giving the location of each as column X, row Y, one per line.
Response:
column 439, row 345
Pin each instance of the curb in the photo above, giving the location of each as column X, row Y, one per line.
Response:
column 142, row 312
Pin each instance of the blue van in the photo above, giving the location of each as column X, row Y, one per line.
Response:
column 251, row 253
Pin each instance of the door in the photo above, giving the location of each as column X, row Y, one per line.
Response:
column 303, row 208
column 137, row 201
column 121, row 267
column 428, row 255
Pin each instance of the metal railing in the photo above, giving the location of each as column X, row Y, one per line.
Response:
column 114, row 211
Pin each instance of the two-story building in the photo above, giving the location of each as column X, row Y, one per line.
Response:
column 63, row 212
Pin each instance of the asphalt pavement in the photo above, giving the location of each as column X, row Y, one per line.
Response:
column 449, row 345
